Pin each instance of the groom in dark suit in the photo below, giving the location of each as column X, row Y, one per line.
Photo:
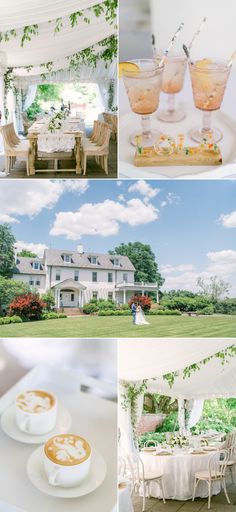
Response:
column 134, row 309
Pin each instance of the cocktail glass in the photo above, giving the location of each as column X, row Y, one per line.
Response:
column 143, row 87
column 172, row 83
column 209, row 79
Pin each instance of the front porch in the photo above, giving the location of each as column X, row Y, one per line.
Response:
column 125, row 290
column 69, row 294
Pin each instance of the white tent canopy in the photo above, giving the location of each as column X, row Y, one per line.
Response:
column 150, row 359
column 50, row 46
column 27, row 12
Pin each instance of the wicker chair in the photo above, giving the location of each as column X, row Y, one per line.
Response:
column 14, row 147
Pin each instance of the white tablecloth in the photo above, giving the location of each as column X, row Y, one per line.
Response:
column 125, row 502
column 178, row 474
column 54, row 142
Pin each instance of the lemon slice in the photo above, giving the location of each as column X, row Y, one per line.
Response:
column 204, row 63
column 127, row 66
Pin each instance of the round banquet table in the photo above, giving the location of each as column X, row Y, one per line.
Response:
column 125, row 502
column 178, row 471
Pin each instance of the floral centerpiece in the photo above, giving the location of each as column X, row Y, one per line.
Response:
column 56, row 121
column 178, row 440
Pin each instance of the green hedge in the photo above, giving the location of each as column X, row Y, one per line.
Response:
column 118, row 312
column 52, row 316
column 209, row 310
column 90, row 308
column 11, row 320
column 186, row 304
column 172, row 312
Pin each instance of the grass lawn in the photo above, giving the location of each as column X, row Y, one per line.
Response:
column 113, row 327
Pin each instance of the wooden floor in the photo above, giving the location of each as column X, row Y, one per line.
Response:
column 93, row 170
column 218, row 503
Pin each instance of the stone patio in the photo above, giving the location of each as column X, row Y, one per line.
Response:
column 218, row 503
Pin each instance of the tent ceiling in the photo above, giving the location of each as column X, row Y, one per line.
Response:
column 150, row 358
column 212, row 380
column 16, row 14
column 48, row 46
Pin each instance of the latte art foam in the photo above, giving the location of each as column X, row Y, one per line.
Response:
column 35, row 401
column 67, row 449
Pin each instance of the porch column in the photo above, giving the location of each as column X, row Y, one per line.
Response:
column 157, row 294
column 58, row 298
column 124, row 296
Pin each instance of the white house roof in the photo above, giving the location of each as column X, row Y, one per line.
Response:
column 24, row 265
column 53, row 257
column 69, row 283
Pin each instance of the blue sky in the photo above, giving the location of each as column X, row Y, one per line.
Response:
column 191, row 226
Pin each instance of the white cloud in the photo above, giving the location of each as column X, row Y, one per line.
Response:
column 121, row 197
column 8, row 219
column 144, row 189
column 172, row 198
column 29, row 198
column 168, row 269
column 102, row 219
column 119, row 183
column 228, row 220
column 36, row 248
column 163, row 203
column 219, row 263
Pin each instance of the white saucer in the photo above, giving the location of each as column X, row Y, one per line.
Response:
column 10, row 427
column 37, row 476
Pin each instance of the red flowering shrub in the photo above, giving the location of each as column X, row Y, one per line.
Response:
column 142, row 300
column 28, row 306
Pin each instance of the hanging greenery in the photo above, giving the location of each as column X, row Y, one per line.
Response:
column 108, row 8
column 133, row 391
column 9, row 85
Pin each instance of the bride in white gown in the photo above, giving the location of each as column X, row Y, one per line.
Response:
column 140, row 317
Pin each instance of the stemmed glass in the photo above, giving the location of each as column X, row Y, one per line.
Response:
column 172, row 83
column 143, row 87
column 209, row 79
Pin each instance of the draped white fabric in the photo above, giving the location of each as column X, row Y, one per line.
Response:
column 195, row 413
column 148, row 358
column 48, row 46
column 20, row 13
column 29, row 97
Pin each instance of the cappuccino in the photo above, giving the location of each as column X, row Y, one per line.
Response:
column 35, row 401
column 67, row 449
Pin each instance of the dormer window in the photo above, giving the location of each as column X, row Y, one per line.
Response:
column 36, row 265
column 93, row 260
column 116, row 262
column 67, row 258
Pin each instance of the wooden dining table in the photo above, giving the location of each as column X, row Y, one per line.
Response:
column 37, row 128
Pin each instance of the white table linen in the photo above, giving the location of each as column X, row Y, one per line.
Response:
column 55, row 142
column 178, row 474
column 125, row 502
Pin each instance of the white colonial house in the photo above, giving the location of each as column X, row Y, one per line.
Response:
column 76, row 277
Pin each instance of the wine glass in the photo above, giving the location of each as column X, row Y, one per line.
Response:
column 143, row 87
column 209, row 79
column 173, row 80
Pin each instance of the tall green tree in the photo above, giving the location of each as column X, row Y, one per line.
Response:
column 7, row 253
column 27, row 254
column 215, row 288
column 11, row 288
column 143, row 259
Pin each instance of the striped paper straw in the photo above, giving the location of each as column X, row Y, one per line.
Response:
column 172, row 42
column 196, row 34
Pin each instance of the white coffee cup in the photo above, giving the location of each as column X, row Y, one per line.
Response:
column 36, row 411
column 65, row 473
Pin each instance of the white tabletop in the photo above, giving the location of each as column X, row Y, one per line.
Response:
column 93, row 418
column 178, row 474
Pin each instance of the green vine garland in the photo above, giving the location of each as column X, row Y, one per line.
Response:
column 133, row 391
column 9, row 85
column 108, row 7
